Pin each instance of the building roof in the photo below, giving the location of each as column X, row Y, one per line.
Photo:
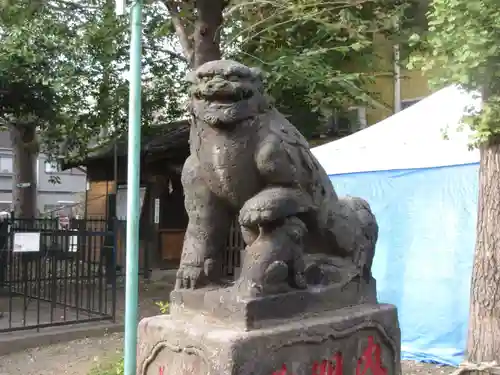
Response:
column 154, row 140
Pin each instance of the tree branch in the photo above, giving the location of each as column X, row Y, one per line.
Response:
column 180, row 30
column 17, row 123
column 207, row 30
column 173, row 54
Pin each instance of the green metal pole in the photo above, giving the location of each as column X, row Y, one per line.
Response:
column 133, row 182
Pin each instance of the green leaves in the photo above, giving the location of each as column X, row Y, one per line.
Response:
column 319, row 54
column 78, row 53
column 316, row 52
column 463, row 47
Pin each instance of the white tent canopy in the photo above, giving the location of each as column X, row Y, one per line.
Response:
column 427, row 134
column 426, row 215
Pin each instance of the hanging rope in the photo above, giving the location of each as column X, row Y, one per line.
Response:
column 491, row 367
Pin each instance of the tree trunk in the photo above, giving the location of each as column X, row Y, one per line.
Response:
column 207, row 31
column 484, row 322
column 24, row 155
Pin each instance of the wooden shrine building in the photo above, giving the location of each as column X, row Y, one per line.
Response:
column 163, row 219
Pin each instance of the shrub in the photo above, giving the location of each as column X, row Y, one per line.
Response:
column 113, row 368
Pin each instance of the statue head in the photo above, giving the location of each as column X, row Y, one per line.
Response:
column 225, row 92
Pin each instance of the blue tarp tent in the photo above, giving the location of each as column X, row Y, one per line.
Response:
column 421, row 181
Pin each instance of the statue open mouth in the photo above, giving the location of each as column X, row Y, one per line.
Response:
column 224, row 95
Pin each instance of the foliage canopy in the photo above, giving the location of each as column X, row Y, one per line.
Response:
column 74, row 59
column 463, row 47
column 319, row 55
column 316, row 54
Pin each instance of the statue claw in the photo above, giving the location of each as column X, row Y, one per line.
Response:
column 190, row 277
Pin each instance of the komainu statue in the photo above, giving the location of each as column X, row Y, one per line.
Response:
column 247, row 159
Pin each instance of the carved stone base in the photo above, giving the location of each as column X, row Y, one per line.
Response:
column 358, row 340
column 253, row 313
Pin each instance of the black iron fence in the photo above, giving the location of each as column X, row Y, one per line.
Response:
column 53, row 274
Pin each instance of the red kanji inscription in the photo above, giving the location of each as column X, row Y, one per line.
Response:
column 371, row 359
column 326, row 367
column 283, row 371
column 161, row 370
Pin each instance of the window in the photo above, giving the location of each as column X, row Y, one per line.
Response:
column 348, row 121
column 66, row 208
column 357, row 117
column 51, row 167
column 121, row 201
column 6, row 164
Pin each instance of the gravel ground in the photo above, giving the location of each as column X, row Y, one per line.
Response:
column 81, row 356
column 72, row 358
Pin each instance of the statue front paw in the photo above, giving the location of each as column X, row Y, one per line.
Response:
column 248, row 288
column 190, row 277
column 276, row 273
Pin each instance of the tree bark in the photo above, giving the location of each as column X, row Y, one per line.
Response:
column 182, row 26
column 24, row 155
column 484, row 321
column 207, row 31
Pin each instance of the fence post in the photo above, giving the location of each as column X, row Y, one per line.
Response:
column 4, row 252
column 113, row 280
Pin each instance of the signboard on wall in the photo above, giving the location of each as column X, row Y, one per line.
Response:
column 157, row 211
column 121, row 201
column 26, row 242
column 73, row 242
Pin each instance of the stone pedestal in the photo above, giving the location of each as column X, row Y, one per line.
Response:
column 357, row 340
